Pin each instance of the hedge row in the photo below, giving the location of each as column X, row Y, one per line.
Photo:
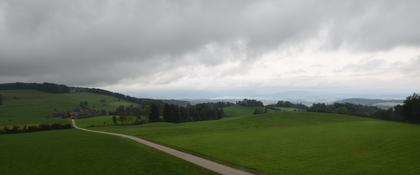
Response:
column 33, row 128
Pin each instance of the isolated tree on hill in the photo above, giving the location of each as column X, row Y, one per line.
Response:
column 154, row 113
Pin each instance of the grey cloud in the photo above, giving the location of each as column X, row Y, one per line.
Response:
column 98, row 42
column 366, row 65
column 411, row 68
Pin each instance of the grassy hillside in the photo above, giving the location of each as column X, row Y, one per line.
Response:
column 295, row 142
column 95, row 121
column 33, row 105
column 77, row 152
column 237, row 110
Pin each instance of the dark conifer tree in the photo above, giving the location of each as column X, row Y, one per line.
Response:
column 411, row 108
column 154, row 113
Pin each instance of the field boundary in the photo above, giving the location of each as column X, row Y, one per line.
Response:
column 202, row 162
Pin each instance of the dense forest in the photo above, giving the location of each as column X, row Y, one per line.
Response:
column 171, row 113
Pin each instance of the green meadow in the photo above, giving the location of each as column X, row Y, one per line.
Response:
column 237, row 110
column 291, row 142
column 77, row 152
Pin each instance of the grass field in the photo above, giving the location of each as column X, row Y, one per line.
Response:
column 34, row 106
column 289, row 109
column 77, row 152
column 236, row 110
column 294, row 142
column 97, row 121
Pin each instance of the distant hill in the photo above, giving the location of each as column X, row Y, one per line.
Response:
column 31, row 104
column 60, row 88
column 27, row 101
column 381, row 103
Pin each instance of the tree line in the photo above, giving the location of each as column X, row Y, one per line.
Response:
column 33, row 128
column 45, row 87
column 129, row 115
column 198, row 112
column 250, row 102
column 409, row 111
column 136, row 100
column 116, row 95
column 170, row 113
column 221, row 104
column 60, row 88
column 345, row 108
column 289, row 104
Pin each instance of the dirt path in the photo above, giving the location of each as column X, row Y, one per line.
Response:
column 208, row 164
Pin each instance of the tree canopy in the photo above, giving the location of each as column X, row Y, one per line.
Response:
column 250, row 102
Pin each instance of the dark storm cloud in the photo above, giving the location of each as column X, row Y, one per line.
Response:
column 96, row 42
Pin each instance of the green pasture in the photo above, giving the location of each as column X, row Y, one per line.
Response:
column 69, row 152
column 294, row 142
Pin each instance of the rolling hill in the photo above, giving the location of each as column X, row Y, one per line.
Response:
column 292, row 142
column 35, row 102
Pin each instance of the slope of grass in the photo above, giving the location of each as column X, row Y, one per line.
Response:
column 76, row 152
column 32, row 105
column 95, row 121
column 237, row 110
column 295, row 143
column 105, row 120
column 289, row 109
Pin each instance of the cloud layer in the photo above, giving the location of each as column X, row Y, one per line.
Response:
column 162, row 45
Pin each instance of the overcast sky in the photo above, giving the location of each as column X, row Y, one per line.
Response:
column 298, row 49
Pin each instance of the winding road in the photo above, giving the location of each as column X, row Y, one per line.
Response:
column 205, row 163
